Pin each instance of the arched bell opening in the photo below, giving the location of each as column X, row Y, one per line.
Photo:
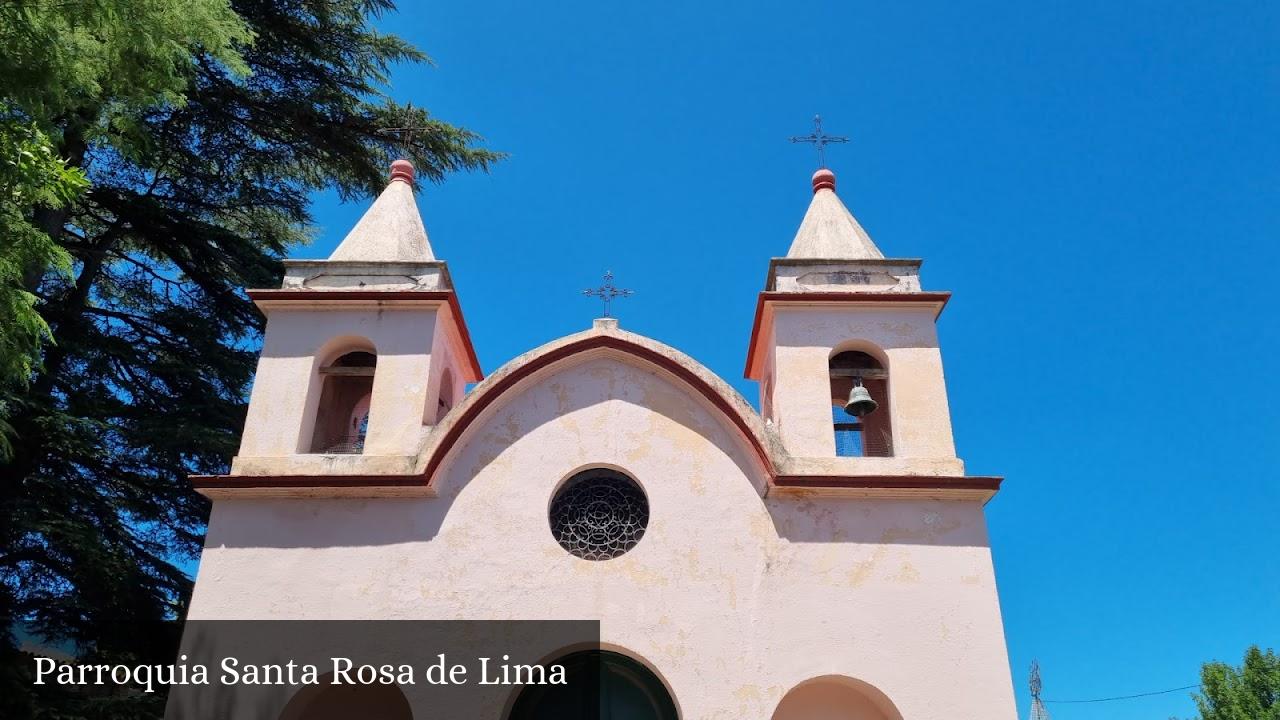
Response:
column 860, row 405
column 445, row 400
column 342, row 416
column 600, row 684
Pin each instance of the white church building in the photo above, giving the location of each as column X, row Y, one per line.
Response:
column 823, row 558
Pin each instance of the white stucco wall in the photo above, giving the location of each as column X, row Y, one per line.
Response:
column 732, row 598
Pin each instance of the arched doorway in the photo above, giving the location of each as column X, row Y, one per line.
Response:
column 601, row 685
column 348, row 702
column 835, row 697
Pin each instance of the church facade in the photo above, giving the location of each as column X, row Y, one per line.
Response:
column 823, row 557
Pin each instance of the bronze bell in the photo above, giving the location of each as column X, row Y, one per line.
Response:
column 860, row 402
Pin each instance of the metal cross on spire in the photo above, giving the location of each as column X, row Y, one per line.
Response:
column 820, row 140
column 608, row 291
column 405, row 132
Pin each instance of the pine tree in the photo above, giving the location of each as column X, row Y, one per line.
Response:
column 201, row 161
column 74, row 72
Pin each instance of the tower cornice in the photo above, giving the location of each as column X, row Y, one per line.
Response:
column 767, row 300
column 843, row 275
column 293, row 299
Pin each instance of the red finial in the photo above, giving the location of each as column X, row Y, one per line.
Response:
column 824, row 178
column 402, row 170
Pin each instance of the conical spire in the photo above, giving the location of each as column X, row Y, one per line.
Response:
column 829, row 231
column 391, row 229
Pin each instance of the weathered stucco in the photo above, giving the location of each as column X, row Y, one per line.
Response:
column 733, row 598
column 835, row 275
column 803, row 337
column 357, row 275
column 391, row 230
column 415, row 342
column 286, row 387
column 828, row 229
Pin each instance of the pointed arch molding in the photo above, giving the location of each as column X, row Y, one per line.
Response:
column 733, row 409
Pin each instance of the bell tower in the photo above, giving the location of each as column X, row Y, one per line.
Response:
column 845, row 349
column 363, row 352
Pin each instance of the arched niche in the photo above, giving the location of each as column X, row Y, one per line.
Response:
column 835, row 697
column 601, row 684
column 347, row 702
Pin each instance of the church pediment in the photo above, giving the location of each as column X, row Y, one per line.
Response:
column 609, row 365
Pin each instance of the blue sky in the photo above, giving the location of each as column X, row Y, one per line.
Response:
column 1097, row 182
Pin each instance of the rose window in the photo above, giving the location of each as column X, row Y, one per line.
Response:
column 599, row 514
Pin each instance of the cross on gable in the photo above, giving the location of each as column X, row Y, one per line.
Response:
column 608, row 291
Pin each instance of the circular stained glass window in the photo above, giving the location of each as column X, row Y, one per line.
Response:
column 599, row 514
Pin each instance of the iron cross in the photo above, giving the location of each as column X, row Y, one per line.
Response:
column 819, row 139
column 406, row 132
column 608, row 291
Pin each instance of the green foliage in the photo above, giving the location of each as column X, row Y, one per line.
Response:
column 87, row 66
column 1249, row 692
column 31, row 175
column 198, row 189
column 115, row 58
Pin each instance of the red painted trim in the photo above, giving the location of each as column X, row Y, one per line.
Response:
column 807, row 298
column 895, row 482
column 856, row 297
column 448, row 296
column 756, row 324
column 306, row 294
column 250, row 482
column 860, row 482
column 867, row 482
